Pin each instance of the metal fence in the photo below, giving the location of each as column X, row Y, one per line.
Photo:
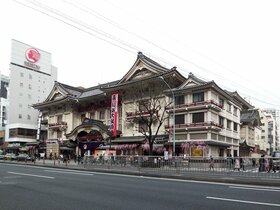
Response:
column 264, row 167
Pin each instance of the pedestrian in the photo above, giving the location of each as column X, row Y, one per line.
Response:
column 242, row 163
column 237, row 164
column 211, row 165
column 271, row 167
column 261, row 163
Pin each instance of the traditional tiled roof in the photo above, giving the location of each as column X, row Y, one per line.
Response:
column 250, row 116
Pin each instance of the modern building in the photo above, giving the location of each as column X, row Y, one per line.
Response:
column 186, row 115
column 3, row 106
column 32, row 77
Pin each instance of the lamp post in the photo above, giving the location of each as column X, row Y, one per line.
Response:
column 173, row 98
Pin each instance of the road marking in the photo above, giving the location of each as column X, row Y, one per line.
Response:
column 68, row 172
column 243, row 201
column 34, row 175
column 254, row 188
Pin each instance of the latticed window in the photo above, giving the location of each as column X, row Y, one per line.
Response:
column 143, row 127
column 179, row 100
column 198, row 97
column 144, row 105
column 179, row 119
column 198, row 117
column 59, row 118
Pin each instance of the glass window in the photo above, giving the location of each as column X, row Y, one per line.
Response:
column 143, row 127
column 198, row 117
column 198, row 97
column 92, row 115
column 30, row 76
column 29, row 87
column 59, row 118
column 229, row 124
column 180, row 119
column 221, row 102
column 222, row 121
column 19, row 116
column 21, row 74
column 102, row 115
column 28, row 117
column 83, row 116
column 235, row 126
column 179, row 100
column 59, row 134
column 228, row 107
column 21, row 84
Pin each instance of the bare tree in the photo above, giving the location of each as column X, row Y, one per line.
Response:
column 149, row 105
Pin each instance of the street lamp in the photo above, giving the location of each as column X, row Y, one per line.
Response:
column 173, row 98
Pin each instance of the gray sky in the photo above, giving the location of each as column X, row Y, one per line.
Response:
column 235, row 43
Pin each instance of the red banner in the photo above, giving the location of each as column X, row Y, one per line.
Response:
column 114, row 114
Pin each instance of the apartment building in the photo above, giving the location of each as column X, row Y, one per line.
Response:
column 206, row 117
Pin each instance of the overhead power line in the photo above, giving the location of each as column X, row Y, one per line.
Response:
column 80, row 25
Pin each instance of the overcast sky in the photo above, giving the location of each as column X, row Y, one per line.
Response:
column 235, row 43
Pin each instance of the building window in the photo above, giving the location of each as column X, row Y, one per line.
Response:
column 59, row 134
column 102, row 115
column 21, row 74
column 229, row 124
column 59, row 118
column 222, row 121
column 198, row 117
column 221, row 102
column 228, row 107
column 29, row 87
column 198, row 97
column 235, row 111
column 30, row 76
column 83, row 116
column 20, row 105
column 143, row 127
column 19, row 116
column 235, row 127
column 21, row 84
column 179, row 119
column 144, row 105
column 92, row 115
column 179, row 100
column 28, row 117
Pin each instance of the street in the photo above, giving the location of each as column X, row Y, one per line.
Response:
column 27, row 187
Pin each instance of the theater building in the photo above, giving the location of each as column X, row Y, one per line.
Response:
column 207, row 118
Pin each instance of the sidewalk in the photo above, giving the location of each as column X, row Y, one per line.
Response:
column 230, row 176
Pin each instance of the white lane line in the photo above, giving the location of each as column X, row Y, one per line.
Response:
column 252, row 188
column 68, row 172
column 34, row 175
column 243, row 201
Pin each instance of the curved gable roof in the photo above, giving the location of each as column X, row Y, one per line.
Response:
column 143, row 65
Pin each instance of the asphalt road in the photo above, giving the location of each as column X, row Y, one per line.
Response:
column 28, row 188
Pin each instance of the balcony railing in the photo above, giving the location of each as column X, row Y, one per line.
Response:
column 197, row 126
column 138, row 114
column 58, row 126
column 197, row 105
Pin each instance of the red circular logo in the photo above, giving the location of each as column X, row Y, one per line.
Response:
column 32, row 55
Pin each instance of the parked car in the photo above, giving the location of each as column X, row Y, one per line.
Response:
column 10, row 156
column 276, row 160
column 1, row 157
column 23, row 157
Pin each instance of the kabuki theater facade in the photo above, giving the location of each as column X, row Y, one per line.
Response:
column 135, row 115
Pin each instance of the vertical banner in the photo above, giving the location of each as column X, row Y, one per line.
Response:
column 114, row 114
